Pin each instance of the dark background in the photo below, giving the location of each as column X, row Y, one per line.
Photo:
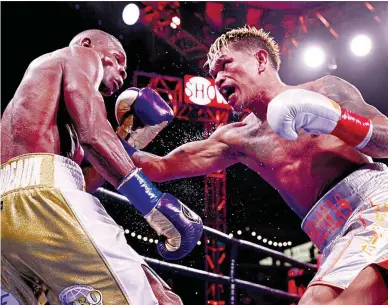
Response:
column 30, row 29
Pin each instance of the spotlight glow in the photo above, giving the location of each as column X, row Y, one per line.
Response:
column 133, row 234
column 361, row 45
column 173, row 25
column 126, row 231
column 151, row 240
column 253, row 233
column 199, row 243
column 258, row 237
column 176, row 20
column 314, row 57
column 239, row 232
column 131, row 14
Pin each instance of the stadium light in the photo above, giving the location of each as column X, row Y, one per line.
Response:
column 131, row 14
column 176, row 20
column 314, row 57
column 361, row 45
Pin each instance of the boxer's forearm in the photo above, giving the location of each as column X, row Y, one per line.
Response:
column 93, row 179
column 348, row 96
column 377, row 146
column 189, row 160
column 151, row 165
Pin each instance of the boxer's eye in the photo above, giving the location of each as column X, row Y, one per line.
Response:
column 117, row 59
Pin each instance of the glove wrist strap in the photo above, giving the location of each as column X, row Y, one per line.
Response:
column 140, row 191
column 353, row 129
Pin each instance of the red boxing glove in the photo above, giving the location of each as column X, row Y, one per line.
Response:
column 353, row 129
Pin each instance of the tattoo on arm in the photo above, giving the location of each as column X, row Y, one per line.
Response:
column 346, row 95
column 349, row 97
column 377, row 146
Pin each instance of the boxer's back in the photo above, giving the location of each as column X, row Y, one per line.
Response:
column 29, row 123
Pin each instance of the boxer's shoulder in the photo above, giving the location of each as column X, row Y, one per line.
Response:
column 222, row 133
column 344, row 93
column 239, row 134
column 78, row 54
column 332, row 87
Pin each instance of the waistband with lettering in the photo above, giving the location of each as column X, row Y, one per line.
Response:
column 40, row 170
column 327, row 217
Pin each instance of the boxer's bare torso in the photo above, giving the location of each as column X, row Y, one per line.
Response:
column 59, row 108
column 299, row 170
column 36, row 120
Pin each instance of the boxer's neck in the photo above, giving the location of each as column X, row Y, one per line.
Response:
column 273, row 87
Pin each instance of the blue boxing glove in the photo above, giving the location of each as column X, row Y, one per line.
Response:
column 141, row 115
column 170, row 218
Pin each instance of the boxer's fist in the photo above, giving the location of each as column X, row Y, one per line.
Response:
column 141, row 115
column 296, row 109
column 179, row 227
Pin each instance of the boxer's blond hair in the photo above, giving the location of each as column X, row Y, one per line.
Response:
column 247, row 37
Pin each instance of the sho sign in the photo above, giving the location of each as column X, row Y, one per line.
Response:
column 202, row 91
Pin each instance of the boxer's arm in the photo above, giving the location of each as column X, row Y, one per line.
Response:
column 93, row 179
column 189, row 160
column 349, row 97
column 82, row 74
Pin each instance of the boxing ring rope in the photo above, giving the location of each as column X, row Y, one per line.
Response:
column 222, row 279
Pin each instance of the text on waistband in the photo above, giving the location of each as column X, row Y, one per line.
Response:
column 20, row 173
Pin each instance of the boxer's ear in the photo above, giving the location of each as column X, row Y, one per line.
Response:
column 262, row 60
column 86, row 42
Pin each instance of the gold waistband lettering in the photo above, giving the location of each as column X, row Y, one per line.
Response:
column 21, row 173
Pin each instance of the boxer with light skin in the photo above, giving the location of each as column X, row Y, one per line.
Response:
column 313, row 143
column 58, row 240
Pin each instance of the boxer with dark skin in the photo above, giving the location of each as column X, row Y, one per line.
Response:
column 302, row 170
column 59, row 108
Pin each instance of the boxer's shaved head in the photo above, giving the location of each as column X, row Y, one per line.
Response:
column 95, row 37
column 112, row 54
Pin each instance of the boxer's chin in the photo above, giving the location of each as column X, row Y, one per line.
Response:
column 237, row 107
column 105, row 90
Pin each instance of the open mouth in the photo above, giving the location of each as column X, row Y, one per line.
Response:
column 227, row 92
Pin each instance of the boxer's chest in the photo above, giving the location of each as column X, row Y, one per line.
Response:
column 273, row 157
